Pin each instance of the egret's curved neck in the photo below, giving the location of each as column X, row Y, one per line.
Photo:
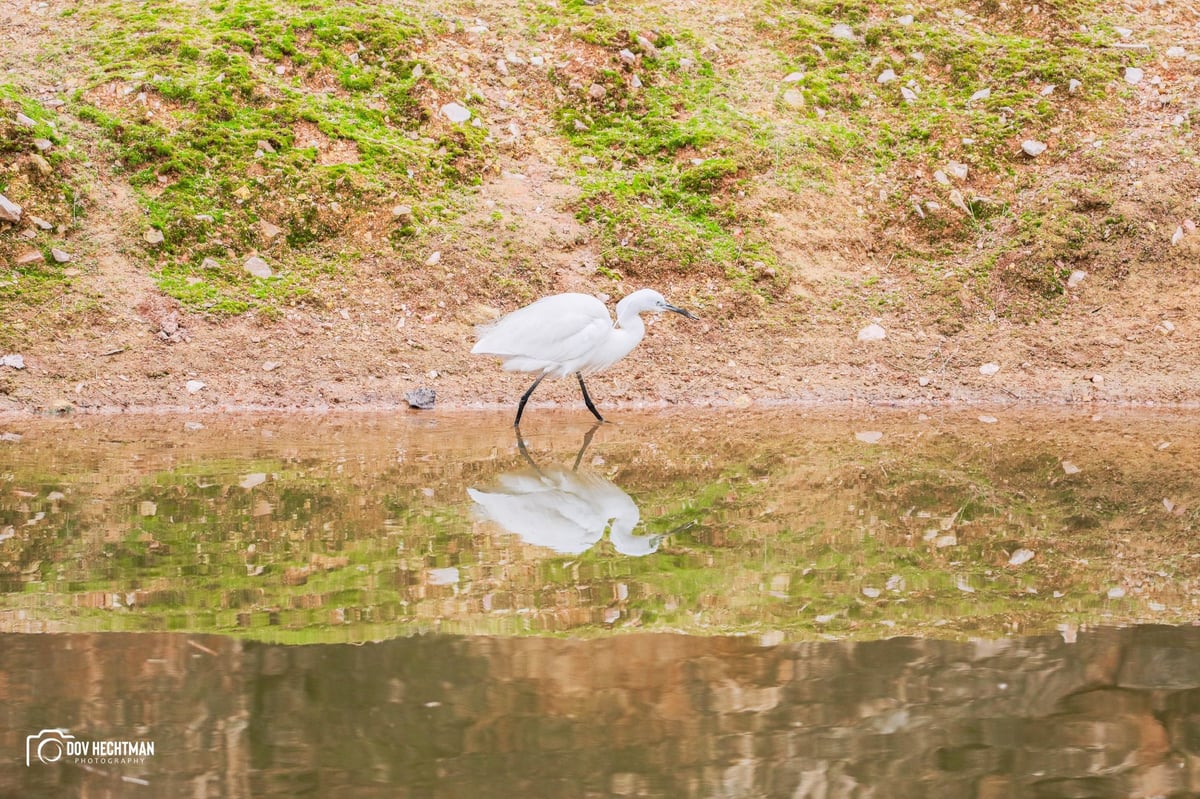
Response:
column 630, row 320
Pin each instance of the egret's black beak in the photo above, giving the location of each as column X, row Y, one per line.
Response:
column 681, row 311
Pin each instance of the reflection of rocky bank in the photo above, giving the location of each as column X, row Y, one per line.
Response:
column 1113, row 714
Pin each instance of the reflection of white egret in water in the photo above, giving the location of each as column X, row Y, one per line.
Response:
column 563, row 509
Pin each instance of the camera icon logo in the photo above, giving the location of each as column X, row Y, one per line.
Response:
column 48, row 746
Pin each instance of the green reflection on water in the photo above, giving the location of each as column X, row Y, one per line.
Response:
column 341, row 528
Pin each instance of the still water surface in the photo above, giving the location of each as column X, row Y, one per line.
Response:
column 790, row 603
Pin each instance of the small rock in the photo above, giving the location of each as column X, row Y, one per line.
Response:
column 1177, row 236
column 842, row 31
column 941, row 177
column 887, row 76
column 597, row 91
column 537, row 60
column 871, row 593
column 588, row 160
column 1048, row 90
column 257, row 267
column 742, row 401
column 26, row 121
column 9, row 210
column 1165, row 326
column 905, row 20
column 1116, row 592
column 194, row 385
column 38, row 222
column 270, row 366
column 956, row 199
column 268, row 230
column 989, row 369
column 421, row 398
column 502, row 66
column 1070, row 468
column 1033, row 148
column 988, row 419
column 957, row 169
column 60, row 256
column 41, row 165
column 647, row 47
column 1176, row 52
column 265, row 146
column 982, row 94
column 29, row 257
column 432, row 374
column 43, row 144
column 869, row 436
column 626, row 55
column 153, row 236
column 13, row 361
column 11, row 438
column 793, row 77
column 872, row 332
column 253, row 480
column 147, row 508
column 580, row 125
column 1168, row 505
column 455, row 112
column 1134, row 75
column 635, row 82
column 1021, row 556
column 923, row 381
column 210, row 263
column 793, row 98
column 908, row 94
column 1073, row 86
column 402, row 211
column 434, row 258
column 193, row 426
column 1076, row 278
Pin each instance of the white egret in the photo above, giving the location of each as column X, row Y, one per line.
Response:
column 569, row 334
column 564, row 510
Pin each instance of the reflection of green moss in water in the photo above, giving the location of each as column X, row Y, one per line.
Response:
column 779, row 534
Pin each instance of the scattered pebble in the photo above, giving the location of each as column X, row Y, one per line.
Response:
column 905, row 20
column 1176, row 52
column 1073, row 86
column 1033, row 148
column 1177, row 236
column 626, row 55
column 1021, row 556
column 30, row 257
column 193, row 426
column 988, row 419
column 1134, row 75
column 1070, row 468
column 1097, row 380
column 989, row 369
column 422, row 398
column 923, row 381
column 842, row 31
column 793, row 98
column 1169, row 505
column 647, row 47
column 153, row 236
column 872, row 332
column 270, row 366
column 908, row 94
column 872, row 593
column 455, row 112
column 957, row 169
column 869, row 436
column 962, row 585
column 597, row 91
column 887, row 76
column 257, row 267
column 252, row 480
column 26, row 121
column 1116, row 592
column 13, row 361
column 9, row 210
column 446, row 576
column 434, row 258
column 941, row 177
column 194, row 385
column 793, row 77
column 60, row 256
column 40, row 223
column 982, row 94
column 1076, row 278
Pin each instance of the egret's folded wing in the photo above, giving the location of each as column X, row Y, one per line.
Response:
column 546, row 332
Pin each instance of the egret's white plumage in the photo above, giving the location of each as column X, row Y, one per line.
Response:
column 569, row 334
column 565, row 510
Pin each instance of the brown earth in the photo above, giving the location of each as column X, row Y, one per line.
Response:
column 377, row 336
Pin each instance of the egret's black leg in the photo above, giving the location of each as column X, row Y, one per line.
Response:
column 525, row 398
column 588, row 400
column 587, row 442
